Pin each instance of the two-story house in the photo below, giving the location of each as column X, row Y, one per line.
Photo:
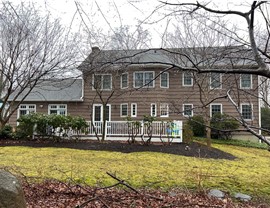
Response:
column 169, row 84
column 166, row 83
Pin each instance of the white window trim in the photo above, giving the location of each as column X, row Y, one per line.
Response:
column 168, row 80
column 121, row 107
column 184, row 110
column 110, row 111
column 151, row 113
column 221, row 108
column 131, row 109
column 220, row 86
column 164, row 116
column 101, row 113
column 183, row 80
column 93, row 82
column 93, row 111
column 122, row 80
column 251, row 110
column 27, row 108
column 57, row 108
column 251, row 82
column 144, row 84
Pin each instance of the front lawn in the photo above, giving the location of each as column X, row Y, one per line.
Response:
column 250, row 173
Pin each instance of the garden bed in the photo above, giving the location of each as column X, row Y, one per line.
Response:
column 192, row 150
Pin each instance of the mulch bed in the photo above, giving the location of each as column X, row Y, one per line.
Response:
column 192, row 150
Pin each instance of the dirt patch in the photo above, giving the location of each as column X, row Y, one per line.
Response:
column 191, row 150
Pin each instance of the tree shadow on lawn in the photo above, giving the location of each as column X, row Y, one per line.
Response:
column 191, row 150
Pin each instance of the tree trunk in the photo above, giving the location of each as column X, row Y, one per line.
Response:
column 207, row 124
column 104, row 129
column 208, row 133
column 2, row 123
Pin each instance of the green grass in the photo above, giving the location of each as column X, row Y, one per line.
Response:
column 250, row 173
column 235, row 142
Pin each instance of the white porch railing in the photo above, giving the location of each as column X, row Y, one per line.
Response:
column 125, row 129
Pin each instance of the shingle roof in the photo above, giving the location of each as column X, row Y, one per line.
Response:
column 186, row 57
column 69, row 90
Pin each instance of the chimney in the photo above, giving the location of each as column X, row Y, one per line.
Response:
column 95, row 50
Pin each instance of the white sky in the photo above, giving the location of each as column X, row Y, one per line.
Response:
column 129, row 10
column 117, row 12
column 113, row 13
column 102, row 13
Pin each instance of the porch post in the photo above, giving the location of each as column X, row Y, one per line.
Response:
column 106, row 130
column 142, row 129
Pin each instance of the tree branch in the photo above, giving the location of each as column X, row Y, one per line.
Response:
column 130, row 187
column 198, row 6
column 244, row 123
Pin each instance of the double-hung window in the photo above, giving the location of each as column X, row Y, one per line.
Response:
column 187, row 79
column 25, row 109
column 164, row 110
column 215, row 80
column 215, row 109
column 245, row 81
column 164, row 80
column 124, row 110
column 246, row 111
column 187, row 110
column 124, row 80
column 58, row 109
column 102, row 81
column 143, row 79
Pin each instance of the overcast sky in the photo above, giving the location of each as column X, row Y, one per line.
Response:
column 108, row 14
column 116, row 12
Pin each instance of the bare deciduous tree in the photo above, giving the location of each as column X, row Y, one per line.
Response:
column 264, row 88
column 124, row 38
column 201, row 45
column 256, row 9
column 205, row 14
column 103, row 79
column 32, row 47
column 99, row 68
column 228, row 35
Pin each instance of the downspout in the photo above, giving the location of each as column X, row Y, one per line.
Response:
column 82, row 97
column 259, row 110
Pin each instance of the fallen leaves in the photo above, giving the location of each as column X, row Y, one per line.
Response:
column 58, row 194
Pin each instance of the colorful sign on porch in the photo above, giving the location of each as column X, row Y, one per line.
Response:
column 174, row 129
